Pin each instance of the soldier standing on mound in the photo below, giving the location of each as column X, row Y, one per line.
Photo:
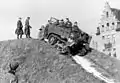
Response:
column 75, row 27
column 68, row 23
column 19, row 30
column 27, row 28
column 41, row 32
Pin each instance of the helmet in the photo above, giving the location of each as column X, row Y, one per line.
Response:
column 62, row 20
column 28, row 17
column 20, row 18
column 67, row 18
column 75, row 22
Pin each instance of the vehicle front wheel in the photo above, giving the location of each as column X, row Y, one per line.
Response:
column 52, row 40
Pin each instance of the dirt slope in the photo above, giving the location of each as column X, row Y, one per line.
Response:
column 108, row 64
column 40, row 63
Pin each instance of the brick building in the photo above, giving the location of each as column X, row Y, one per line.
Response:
column 108, row 32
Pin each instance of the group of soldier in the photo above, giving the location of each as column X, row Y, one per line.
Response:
column 61, row 23
column 75, row 30
column 64, row 24
column 19, row 30
column 67, row 24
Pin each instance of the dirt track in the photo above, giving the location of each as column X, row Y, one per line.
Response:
column 89, row 67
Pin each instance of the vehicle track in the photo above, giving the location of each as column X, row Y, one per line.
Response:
column 88, row 66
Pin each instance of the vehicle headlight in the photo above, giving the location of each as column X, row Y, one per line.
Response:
column 72, row 35
column 70, row 40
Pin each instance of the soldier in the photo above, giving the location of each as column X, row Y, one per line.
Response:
column 27, row 28
column 76, row 31
column 49, row 23
column 68, row 23
column 41, row 32
column 75, row 27
column 57, row 22
column 13, row 67
column 61, row 24
column 19, row 30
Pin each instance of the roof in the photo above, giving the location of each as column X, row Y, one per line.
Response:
column 116, row 12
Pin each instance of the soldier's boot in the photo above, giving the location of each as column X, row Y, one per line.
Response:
column 29, row 36
column 17, row 36
column 21, row 36
column 26, row 36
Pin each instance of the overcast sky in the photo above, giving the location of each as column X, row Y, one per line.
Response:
column 86, row 12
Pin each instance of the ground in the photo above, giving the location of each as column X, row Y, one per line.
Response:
column 108, row 64
column 41, row 63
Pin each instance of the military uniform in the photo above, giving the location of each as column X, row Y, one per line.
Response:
column 27, row 28
column 13, row 67
column 76, row 31
column 75, row 28
column 41, row 32
column 57, row 22
column 68, row 24
column 19, row 30
column 61, row 24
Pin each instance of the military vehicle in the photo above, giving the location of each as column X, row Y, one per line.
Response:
column 80, row 46
column 55, row 33
column 65, row 38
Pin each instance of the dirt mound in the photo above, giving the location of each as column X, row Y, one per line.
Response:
column 40, row 63
column 109, row 64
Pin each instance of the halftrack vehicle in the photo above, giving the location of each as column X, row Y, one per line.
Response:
column 55, row 33
column 65, row 38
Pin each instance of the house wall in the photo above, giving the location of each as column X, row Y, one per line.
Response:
column 108, row 34
column 118, row 45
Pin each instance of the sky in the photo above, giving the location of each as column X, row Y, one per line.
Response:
column 86, row 12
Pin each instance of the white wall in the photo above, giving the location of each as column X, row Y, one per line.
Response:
column 118, row 45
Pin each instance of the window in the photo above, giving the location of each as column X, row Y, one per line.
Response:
column 107, row 14
column 102, row 30
column 112, row 27
column 103, row 37
column 108, row 24
column 118, row 26
column 107, row 27
column 113, row 23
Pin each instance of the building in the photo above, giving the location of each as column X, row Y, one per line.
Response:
column 108, row 32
